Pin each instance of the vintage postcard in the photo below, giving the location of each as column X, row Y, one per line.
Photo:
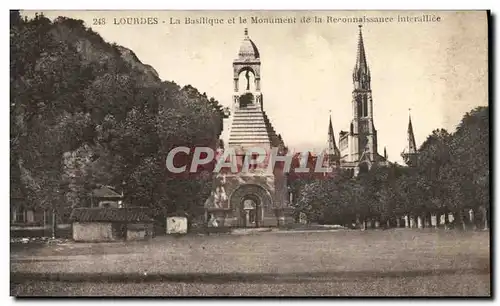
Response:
column 249, row 153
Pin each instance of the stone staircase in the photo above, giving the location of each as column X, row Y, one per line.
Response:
column 251, row 126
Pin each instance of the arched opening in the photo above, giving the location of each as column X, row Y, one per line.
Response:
column 250, row 202
column 250, row 213
column 246, row 80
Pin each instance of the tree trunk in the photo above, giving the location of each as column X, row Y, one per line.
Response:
column 54, row 224
column 441, row 219
column 472, row 219
column 461, row 218
column 398, row 222
column 434, row 220
column 388, row 223
column 420, row 224
column 485, row 218
column 412, row 222
column 363, row 226
column 427, row 220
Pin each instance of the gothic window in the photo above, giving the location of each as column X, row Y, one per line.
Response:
column 359, row 106
column 365, row 106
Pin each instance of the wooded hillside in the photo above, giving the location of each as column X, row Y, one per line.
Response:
column 85, row 112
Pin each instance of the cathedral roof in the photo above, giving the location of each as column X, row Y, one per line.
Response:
column 248, row 50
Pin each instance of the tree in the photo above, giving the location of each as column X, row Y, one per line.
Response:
column 86, row 113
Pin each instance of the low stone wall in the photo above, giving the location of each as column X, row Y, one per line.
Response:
column 93, row 231
column 139, row 231
column 272, row 218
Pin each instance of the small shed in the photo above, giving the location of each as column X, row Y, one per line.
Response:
column 106, row 196
column 177, row 225
column 111, row 224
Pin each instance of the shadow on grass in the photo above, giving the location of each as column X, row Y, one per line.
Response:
column 221, row 278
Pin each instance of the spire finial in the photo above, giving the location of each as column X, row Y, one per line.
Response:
column 246, row 31
column 412, row 148
column 330, row 125
column 361, row 73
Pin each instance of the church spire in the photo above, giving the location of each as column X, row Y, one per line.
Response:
column 410, row 152
column 412, row 148
column 361, row 72
column 333, row 151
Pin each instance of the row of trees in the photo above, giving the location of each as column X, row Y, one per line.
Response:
column 451, row 176
column 84, row 113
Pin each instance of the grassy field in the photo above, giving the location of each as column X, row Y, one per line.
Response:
column 343, row 263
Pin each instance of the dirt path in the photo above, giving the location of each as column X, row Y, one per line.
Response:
column 396, row 257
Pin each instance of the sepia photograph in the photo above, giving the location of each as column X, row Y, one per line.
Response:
column 293, row 153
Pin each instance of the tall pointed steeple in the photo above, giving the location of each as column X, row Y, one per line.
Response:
column 412, row 147
column 410, row 152
column 363, row 132
column 361, row 72
column 333, row 151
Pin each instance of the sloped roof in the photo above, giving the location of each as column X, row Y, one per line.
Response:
column 105, row 192
column 111, row 214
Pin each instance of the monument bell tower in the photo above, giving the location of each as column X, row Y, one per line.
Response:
column 256, row 196
column 247, row 64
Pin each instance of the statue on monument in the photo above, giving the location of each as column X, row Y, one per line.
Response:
column 247, row 75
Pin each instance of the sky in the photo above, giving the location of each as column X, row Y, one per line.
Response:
column 437, row 69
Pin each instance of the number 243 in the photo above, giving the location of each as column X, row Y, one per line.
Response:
column 99, row 21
